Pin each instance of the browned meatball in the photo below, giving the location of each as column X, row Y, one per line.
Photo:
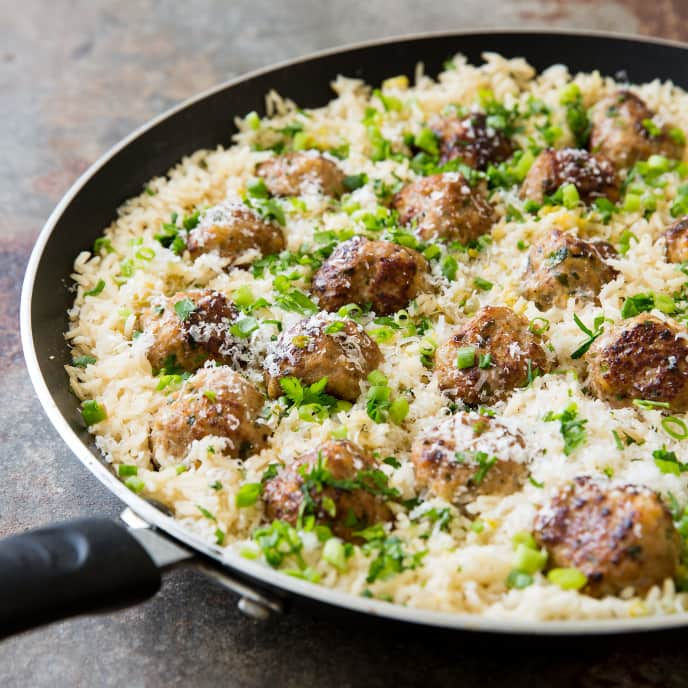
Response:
column 619, row 134
column 560, row 266
column 322, row 346
column 468, row 455
column 677, row 241
column 472, row 140
column 514, row 351
column 232, row 229
column 214, row 401
column 641, row 358
column 444, row 206
column 619, row 537
column 292, row 174
column 344, row 510
column 593, row 176
column 197, row 330
column 381, row 274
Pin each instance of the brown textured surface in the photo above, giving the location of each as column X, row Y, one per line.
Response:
column 77, row 76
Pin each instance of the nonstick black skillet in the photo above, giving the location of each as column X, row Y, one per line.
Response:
column 96, row 564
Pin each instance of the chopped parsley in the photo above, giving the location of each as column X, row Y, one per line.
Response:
column 576, row 115
column 572, row 427
column 641, row 303
column 83, row 361
column 667, row 462
column 313, row 404
column 184, row 309
column 391, row 557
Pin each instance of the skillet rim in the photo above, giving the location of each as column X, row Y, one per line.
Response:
column 258, row 574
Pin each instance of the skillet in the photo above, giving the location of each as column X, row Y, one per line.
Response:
column 95, row 564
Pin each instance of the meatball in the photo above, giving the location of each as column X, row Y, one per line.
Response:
column 293, row 174
column 593, row 176
column 344, row 509
column 234, row 230
column 618, row 536
column 677, row 241
column 560, row 266
column 468, row 455
column 619, row 133
column 190, row 328
column 444, row 206
column 641, row 358
column 498, row 354
column 323, row 346
column 379, row 274
column 214, row 401
column 472, row 140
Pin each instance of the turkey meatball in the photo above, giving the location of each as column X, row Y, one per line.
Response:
column 380, row 274
column 641, row 358
column 345, row 510
column 491, row 355
column 561, row 266
column 444, row 206
column 190, row 328
column 323, row 346
column 468, row 455
column 620, row 133
column 215, row 401
column 472, row 140
column 677, row 241
column 293, row 174
column 236, row 232
column 618, row 536
column 593, row 176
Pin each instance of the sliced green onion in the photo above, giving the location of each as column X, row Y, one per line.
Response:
column 570, row 196
column 567, row 579
column 92, row 412
column 145, row 253
column 335, row 554
column 124, row 470
column 518, row 579
column 248, row 494
column 377, row 378
column 523, row 537
column 243, row 297
column 253, row 120
column 333, row 328
column 398, row 410
column 135, row 484
column 482, row 284
column 536, row 328
column 632, row 203
column 675, row 427
column 465, row 357
column 529, row 560
column 648, row 405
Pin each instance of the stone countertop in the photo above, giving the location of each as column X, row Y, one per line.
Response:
column 77, row 76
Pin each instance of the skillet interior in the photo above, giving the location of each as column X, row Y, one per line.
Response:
column 206, row 122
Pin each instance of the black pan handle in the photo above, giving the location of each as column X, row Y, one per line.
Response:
column 86, row 565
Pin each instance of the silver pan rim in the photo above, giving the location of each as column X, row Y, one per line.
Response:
column 232, row 561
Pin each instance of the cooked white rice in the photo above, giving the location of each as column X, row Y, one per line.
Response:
column 464, row 570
